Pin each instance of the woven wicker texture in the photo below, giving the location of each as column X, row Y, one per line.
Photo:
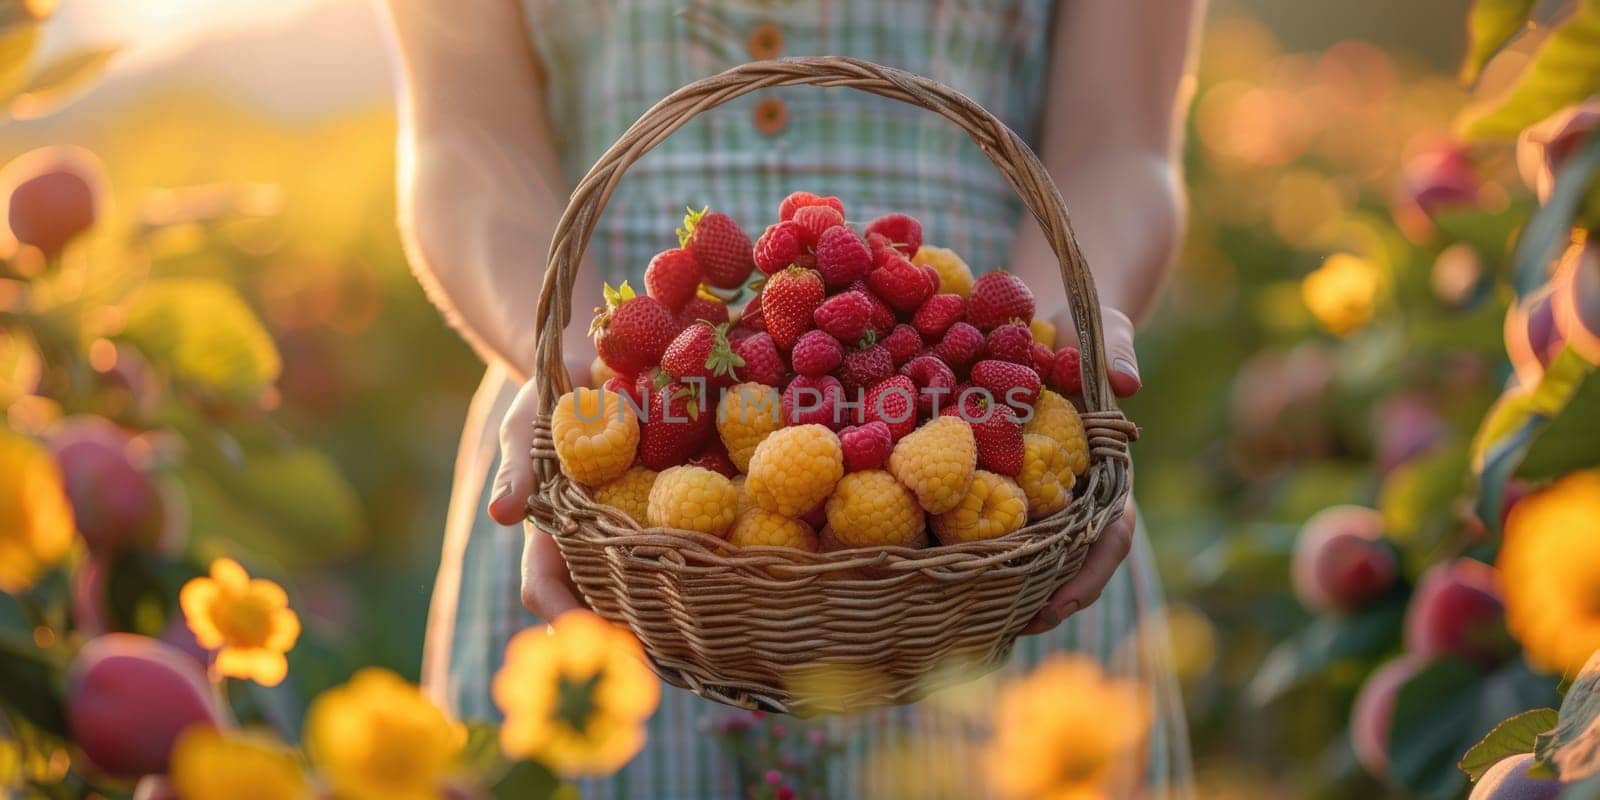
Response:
column 803, row 633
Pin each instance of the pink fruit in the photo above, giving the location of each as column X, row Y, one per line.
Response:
column 816, row 353
column 1373, row 713
column 54, row 196
column 1456, row 610
column 937, row 314
column 1508, row 780
column 1341, row 561
column 814, row 400
column 961, row 345
column 866, row 446
column 114, row 500
column 935, row 382
column 129, row 697
column 903, row 343
column 1407, row 426
column 892, row 401
column 1440, row 178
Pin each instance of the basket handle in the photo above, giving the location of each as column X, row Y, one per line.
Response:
column 1021, row 168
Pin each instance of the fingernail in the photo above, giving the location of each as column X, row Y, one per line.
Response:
column 1125, row 367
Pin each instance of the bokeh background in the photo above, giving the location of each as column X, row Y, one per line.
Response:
column 254, row 143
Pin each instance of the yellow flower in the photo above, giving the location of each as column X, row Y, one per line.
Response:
column 210, row 764
column 1068, row 732
column 377, row 738
column 575, row 696
column 36, row 526
column 1550, row 572
column 1342, row 293
column 248, row 619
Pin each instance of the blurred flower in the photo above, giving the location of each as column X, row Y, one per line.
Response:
column 1550, row 572
column 53, row 196
column 1406, row 425
column 248, row 619
column 36, row 528
column 1543, row 149
column 1180, row 635
column 1342, row 293
column 1067, row 732
column 1439, row 177
column 575, row 695
column 208, row 764
column 377, row 738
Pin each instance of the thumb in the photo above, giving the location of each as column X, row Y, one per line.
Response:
column 513, row 483
column 1120, row 357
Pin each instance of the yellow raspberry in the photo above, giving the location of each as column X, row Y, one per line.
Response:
column 795, row 469
column 1054, row 416
column 745, row 503
column 1046, row 476
column 747, row 413
column 600, row 372
column 755, row 527
column 694, row 499
column 955, row 277
column 1044, row 332
column 630, row 493
column 936, row 462
column 596, row 433
column 994, row 507
column 871, row 509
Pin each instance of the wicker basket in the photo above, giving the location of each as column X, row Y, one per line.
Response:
column 750, row 627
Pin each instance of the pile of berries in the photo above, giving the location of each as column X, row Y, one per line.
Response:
column 870, row 391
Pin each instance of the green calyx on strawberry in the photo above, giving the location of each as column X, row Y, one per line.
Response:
column 631, row 331
column 702, row 352
column 720, row 246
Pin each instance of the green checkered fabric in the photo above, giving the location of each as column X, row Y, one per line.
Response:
column 607, row 62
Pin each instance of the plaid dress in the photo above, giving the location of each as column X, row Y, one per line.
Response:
column 607, row 61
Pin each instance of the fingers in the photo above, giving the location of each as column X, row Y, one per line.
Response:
column 514, row 481
column 1085, row 587
column 546, row 585
column 1120, row 357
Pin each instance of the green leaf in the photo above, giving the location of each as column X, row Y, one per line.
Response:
column 1511, row 737
column 1418, row 500
column 1570, row 441
column 1564, row 71
column 203, row 331
column 1327, row 640
column 1490, row 24
column 1514, row 423
column 60, row 82
column 1445, row 710
column 1573, row 748
column 526, row 780
column 481, row 756
column 1550, row 228
column 289, row 506
column 31, row 682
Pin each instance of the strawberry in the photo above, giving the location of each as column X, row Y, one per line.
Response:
column 631, row 332
column 1044, row 361
column 788, row 301
column 778, row 247
column 892, row 401
column 751, row 315
column 720, row 246
column 903, row 343
column 673, row 277
column 937, row 314
column 675, row 426
column 798, row 200
column 702, row 352
column 762, row 363
column 842, row 257
column 866, row 446
column 900, row 283
column 903, row 231
column 845, row 316
column 935, row 383
column 960, row 346
column 1009, row 384
column 815, row 353
column 996, row 430
column 813, row 220
column 865, row 367
column 1011, row 342
column 997, row 298
column 1066, row 372
column 715, row 458
column 883, row 319
column 813, row 400
column 701, row 307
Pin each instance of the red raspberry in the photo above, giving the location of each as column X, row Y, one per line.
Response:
column 892, row 401
column 935, row 381
column 720, row 245
column 932, row 275
column 845, row 316
column 701, row 307
column 1066, row 373
column 1011, row 342
column 778, row 247
column 751, row 315
column 813, row 400
column 937, row 314
column 715, row 458
column 865, row 367
column 842, row 257
column 627, row 385
column 798, row 200
column 997, row 298
column 900, row 283
column 903, row 343
column 883, row 319
column 866, row 446
column 762, row 363
column 673, row 277
column 1009, row 384
column 813, row 220
column 996, row 430
column 905, row 232
column 815, row 353
column 960, row 346
column 1044, row 360
column 739, row 333
column 881, row 249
